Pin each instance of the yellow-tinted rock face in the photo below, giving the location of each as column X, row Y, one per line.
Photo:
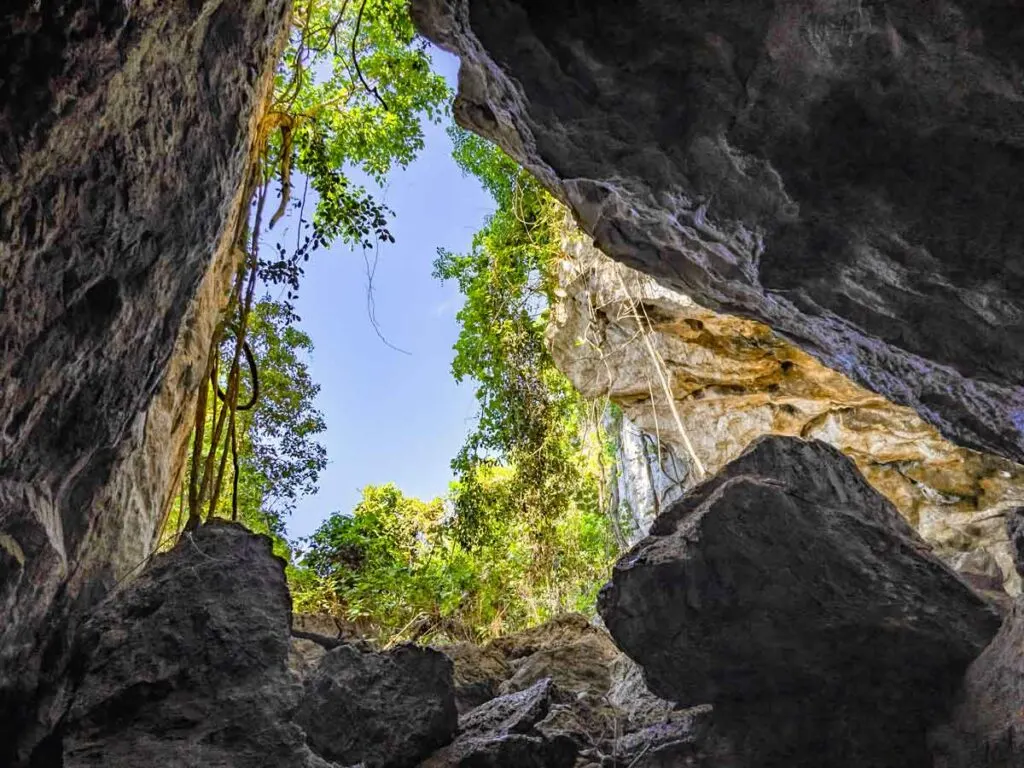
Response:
column 733, row 380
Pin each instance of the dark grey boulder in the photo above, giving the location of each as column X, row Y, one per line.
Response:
column 503, row 733
column 986, row 728
column 187, row 665
column 478, row 671
column 791, row 596
column 1015, row 532
column 384, row 710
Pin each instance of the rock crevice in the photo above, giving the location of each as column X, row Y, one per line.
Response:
column 731, row 381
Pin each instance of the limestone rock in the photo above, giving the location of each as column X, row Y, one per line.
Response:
column 845, row 173
column 650, row 471
column 687, row 738
column 384, row 710
column 324, row 625
column 630, row 695
column 125, row 131
column 478, row 672
column 1015, row 531
column 315, row 634
column 502, row 734
column 304, row 654
column 986, row 729
column 732, row 380
column 562, row 630
column 980, row 569
column 596, row 697
column 187, row 665
column 793, row 598
column 583, row 666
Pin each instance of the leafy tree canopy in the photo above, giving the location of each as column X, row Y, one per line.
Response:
column 352, row 91
column 530, row 416
column 395, row 568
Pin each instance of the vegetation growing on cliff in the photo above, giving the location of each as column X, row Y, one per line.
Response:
column 521, row 535
column 531, row 419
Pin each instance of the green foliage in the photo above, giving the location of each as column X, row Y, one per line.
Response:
column 280, row 458
column 356, row 77
column 352, row 90
column 394, row 566
column 530, row 415
column 522, row 535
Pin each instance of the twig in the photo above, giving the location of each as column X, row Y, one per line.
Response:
column 637, row 758
column 355, row 59
column 371, row 306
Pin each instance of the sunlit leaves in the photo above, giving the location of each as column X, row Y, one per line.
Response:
column 394, row 565
column 528, row 417
column 351, row 92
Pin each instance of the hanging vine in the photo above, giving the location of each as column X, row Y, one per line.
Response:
column 351, row 91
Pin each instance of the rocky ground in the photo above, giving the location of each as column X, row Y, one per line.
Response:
column 780, row 614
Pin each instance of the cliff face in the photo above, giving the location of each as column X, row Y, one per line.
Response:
column 650, row 473
column 125, row 132
column 733, row 380
column 844, row 172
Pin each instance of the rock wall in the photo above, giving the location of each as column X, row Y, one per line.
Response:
column 650, row 475
column 733, row 380
column 125, row 133
column 844, row 172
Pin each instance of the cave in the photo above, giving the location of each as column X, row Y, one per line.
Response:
column 810, row 213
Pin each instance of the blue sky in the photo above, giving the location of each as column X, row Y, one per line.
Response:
column 391, row 416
